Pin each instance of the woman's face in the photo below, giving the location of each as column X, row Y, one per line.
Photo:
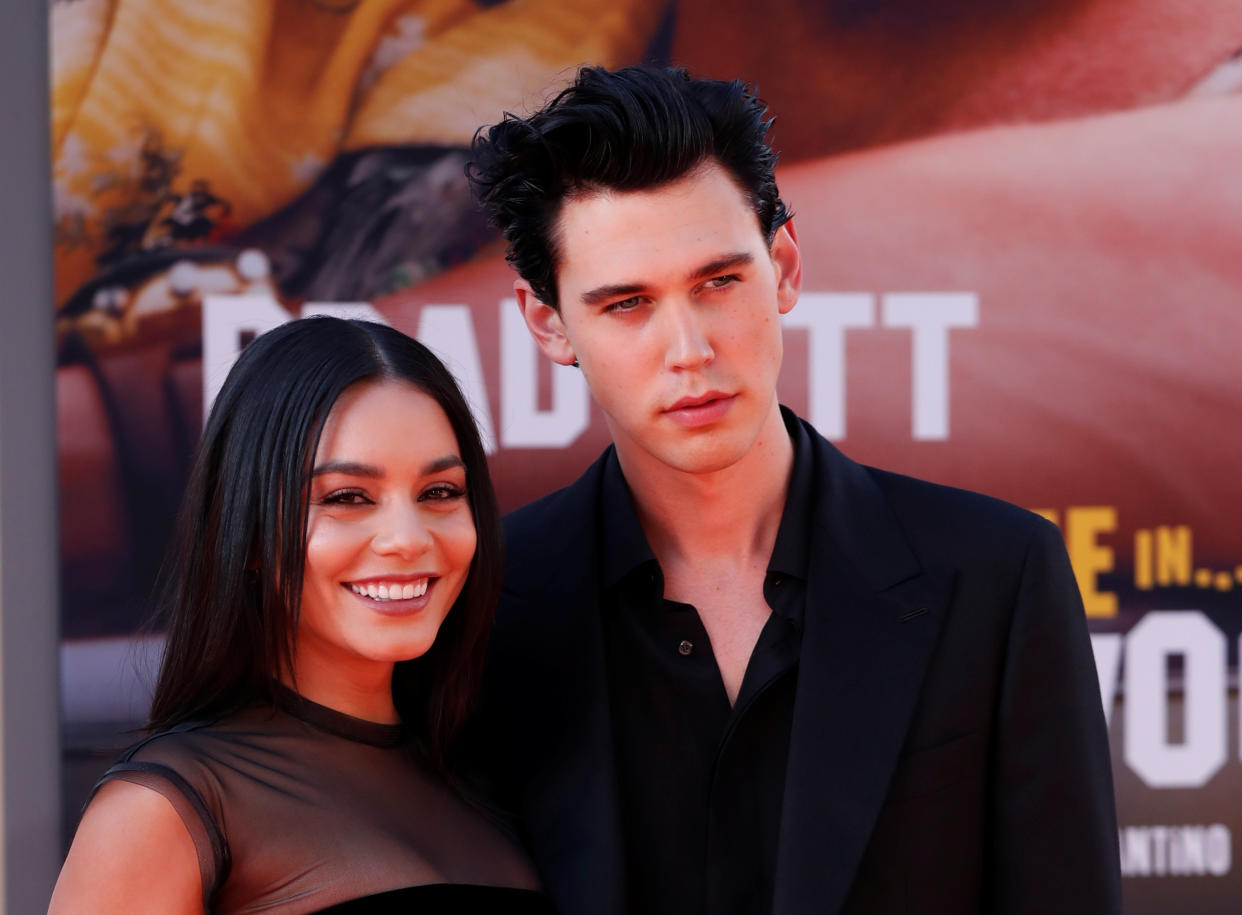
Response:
column 390, row 533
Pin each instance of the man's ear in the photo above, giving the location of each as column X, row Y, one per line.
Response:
column 545, row 324
column 788, row 261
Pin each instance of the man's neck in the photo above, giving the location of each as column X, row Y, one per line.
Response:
column 729, row 515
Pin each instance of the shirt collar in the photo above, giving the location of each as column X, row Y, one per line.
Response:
column 625, row 546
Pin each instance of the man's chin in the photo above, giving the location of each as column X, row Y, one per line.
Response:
column 707, row 453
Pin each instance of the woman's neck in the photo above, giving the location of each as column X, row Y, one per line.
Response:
column 360, row 694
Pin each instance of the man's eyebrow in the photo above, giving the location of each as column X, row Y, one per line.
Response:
column 604, row 293
column 721, row 264
column 623, row 290
column 358, row 469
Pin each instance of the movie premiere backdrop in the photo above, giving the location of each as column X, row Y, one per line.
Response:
column 1023, row 255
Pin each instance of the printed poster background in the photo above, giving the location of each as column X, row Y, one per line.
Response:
column 1020, row 231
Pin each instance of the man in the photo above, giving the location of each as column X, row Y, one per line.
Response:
column 732, row 670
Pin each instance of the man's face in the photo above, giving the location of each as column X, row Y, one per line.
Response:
column 670, row 300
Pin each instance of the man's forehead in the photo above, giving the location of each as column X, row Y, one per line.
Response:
column 608, row 233
column 706, row 174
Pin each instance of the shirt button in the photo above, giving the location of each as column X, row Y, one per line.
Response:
column 685, row 647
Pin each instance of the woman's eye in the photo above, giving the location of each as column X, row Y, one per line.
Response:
column 345, row 497
column 441, row 492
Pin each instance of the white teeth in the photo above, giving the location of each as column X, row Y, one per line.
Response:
column 395, row 591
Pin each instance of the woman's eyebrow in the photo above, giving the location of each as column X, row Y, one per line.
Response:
column 359, row 469
column 447, row 462
column 349, row 468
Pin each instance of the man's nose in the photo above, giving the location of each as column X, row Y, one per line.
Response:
column 401, row 530
column 687, row 335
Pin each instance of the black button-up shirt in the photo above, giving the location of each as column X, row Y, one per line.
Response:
column 700, row 782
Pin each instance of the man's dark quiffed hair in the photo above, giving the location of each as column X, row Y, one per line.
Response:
column 628, row 130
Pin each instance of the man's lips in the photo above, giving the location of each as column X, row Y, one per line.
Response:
column 700, row 410
column 700, row 400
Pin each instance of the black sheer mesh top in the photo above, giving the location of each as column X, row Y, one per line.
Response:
column 302, row 808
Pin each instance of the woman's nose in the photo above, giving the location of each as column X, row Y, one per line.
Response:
column 401, row 530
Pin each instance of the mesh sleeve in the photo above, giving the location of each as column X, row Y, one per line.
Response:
column 209, row 843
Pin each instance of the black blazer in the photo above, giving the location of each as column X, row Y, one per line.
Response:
column 948, row 751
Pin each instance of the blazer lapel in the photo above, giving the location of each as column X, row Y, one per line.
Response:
column 563, row 728
column 872, row 617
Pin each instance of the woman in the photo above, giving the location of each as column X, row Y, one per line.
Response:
column 327, row 601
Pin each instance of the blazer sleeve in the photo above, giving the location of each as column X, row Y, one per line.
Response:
column 1055, row 829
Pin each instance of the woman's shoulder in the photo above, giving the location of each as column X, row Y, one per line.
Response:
column 131, row 853
column 169, row 746
column 183, row 772
column 192, row 755
column 202, row 740
column 148, row 835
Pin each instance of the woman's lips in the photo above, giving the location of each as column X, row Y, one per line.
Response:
column 391, row 589
column 390, row 597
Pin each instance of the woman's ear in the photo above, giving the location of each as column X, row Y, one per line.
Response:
column 545, row 325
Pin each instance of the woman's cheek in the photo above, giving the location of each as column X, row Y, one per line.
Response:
column 460, row 539
column 329, row 543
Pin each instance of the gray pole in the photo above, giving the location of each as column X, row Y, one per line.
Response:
column 29, row 549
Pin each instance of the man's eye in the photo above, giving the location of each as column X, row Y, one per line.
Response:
column 624, row 305
column 719, row 282
column 345, row 497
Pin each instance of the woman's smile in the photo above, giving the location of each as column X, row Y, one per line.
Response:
column 391, row 590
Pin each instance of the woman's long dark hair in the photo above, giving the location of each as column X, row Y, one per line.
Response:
column 230, row 589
